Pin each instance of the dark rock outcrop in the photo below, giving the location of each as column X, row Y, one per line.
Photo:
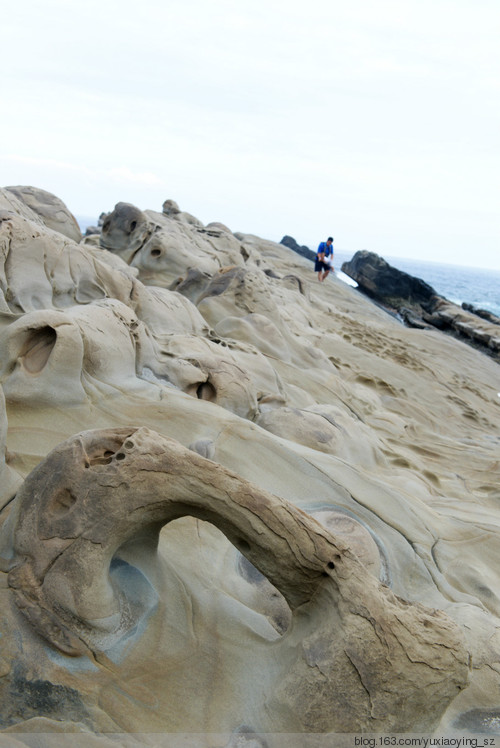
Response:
column 386, row 283
column 289, row 241
column 419, row 305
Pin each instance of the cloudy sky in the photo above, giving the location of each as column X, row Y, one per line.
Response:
column 376, row 122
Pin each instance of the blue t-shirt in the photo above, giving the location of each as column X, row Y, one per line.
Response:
column 323, row 247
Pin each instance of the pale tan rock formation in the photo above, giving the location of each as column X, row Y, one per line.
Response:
column 308, row 397
column 51, row 210
column 355, row 658
column 164, row 246
column 10, row 205
column 170, row 208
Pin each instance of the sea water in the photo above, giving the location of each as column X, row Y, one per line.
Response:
column 457, row 283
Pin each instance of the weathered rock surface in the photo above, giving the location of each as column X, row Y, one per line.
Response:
column 483, row 313
column 356, row 657
column 164, row 246
column 419, row 304
column 52, row 211
column 185, row 449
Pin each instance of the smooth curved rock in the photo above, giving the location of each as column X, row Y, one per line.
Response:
column 125, row 230
column 64, row 275
column 171, row 209
column 10, row 481
column 386, row 435
column 99, row 344
column 356, row 657
column 165, row 247
column 52, row 211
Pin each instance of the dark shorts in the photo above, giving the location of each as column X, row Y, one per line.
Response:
column 320, row 265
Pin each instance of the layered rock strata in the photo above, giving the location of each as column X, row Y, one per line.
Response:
column 419, row 305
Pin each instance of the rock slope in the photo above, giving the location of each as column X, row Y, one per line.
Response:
column 235, row 499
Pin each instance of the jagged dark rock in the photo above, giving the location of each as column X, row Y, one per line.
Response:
column 289, row 241
column 413, row 320
column 386, row 283
column 418, row 304
column 483, row 313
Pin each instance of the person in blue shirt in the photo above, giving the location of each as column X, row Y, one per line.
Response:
column 324, row 259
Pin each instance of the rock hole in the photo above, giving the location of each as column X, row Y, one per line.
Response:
column 103, row 458
column 133, row 226
column 62, row 502
column 155, row 252
column 243, row 546
column 120, row 456
column 128, row 444
column 206, row 391
column 37, row 348
column 331, row 565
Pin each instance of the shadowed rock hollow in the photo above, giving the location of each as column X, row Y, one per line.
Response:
column 234, row 498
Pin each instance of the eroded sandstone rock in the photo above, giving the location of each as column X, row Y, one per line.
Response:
column 52, row 211
column 165, row 246
column 355, row 657
column 388, row 436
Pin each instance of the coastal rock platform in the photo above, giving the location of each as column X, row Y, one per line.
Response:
column 235, row 500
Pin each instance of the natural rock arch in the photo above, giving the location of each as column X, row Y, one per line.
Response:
column 356, row 656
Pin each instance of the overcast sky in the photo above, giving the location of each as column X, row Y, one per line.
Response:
column 376, row 122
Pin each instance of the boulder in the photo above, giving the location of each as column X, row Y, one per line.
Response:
column 419, row 305
column 166, row 246
column 53, row 212
column 386, row 283
column 171, row 209
column 302, row 250
column 349, row 635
